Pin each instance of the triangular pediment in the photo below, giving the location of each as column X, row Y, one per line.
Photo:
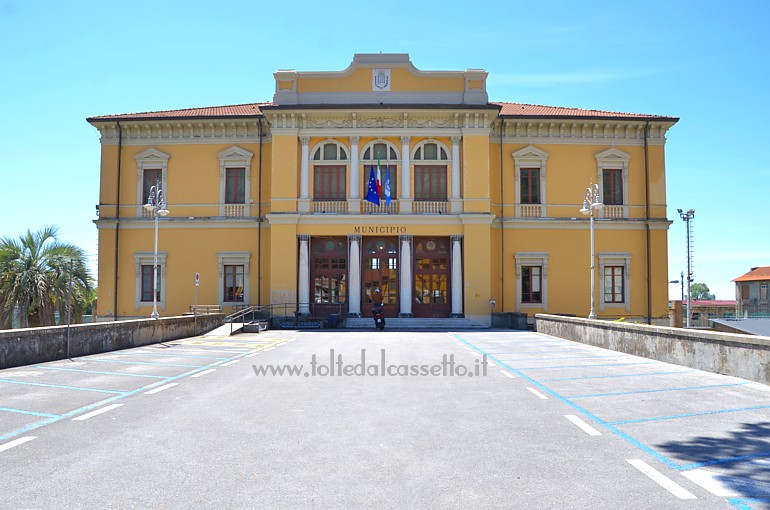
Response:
column 613, row 154
column 152, row 154
column 530, row 152
column 235, row 152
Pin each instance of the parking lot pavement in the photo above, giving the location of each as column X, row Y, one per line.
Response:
column 713, row 429
column 549, row 424
column 38, row 395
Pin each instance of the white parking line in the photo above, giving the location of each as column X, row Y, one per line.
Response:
column 475, row 353
column 726, row 486
column 160, row 388
column 268, row 349
column 199, row 374
column 280, row 344
column 252, row 354
column 583, row 425
column 537, row 393
column 661, row 479
column 16, row 442
column 97, row 412
column 233, row 362
column 507, row 374
column 489, row 363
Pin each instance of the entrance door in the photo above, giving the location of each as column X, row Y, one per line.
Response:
column 379, row 270
column 431, row 277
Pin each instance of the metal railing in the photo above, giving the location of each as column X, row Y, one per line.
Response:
column 205, row 309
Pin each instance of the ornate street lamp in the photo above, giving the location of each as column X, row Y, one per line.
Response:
column 590, row 202
column 156, row 205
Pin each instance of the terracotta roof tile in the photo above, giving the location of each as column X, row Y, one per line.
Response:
column 758, row 273
column 534, row 110
column 238, row 110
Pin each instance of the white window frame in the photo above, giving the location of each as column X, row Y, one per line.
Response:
column 532, row 258
column 442, row 146
column 613, row 159
column 234, row 157
column 615, row 259
column 232, row 258
column 529, row 157
column 145, row 258
column 151, row 158
column 320, row 147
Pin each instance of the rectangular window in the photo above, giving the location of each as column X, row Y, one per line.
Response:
column 151, row 177
column 235, row 186
column 430, row 183
column 530, row 186
column 613, row 186
column 763, row 292
column 744, row 291
column 329, row 183
column 148, row 283
column 531, row 284
column 392, row 170
column 614, row 291
column 233, row 283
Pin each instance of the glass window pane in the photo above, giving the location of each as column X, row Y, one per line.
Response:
column 330, row 151
column 431, row 151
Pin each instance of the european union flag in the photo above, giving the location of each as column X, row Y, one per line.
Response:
column 371, row 190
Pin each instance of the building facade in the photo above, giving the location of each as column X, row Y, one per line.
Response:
column 268, row 201
column 751, row 293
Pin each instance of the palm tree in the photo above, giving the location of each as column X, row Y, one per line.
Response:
column 35, row 273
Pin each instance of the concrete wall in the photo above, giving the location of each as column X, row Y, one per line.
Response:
column 36, row 345
column 744, row 356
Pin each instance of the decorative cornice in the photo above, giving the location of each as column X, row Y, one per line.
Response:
column 179, row 132
column 619, row 132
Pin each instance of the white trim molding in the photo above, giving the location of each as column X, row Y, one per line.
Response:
column 531, row 258
column 613, row 159
column 234, row 157
column 147, row 258
column 232, row 258
column 615, row 259
column 529, row 157
column 150, row 159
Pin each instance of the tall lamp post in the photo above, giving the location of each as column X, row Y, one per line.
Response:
column 590, row 202
column 688, row 216
column 156, row 205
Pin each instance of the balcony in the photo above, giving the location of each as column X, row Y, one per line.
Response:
column 430, row 207
column 235, row 211
column 613, row 211
column 330, row 207
column 370, row 208
column 529, row 210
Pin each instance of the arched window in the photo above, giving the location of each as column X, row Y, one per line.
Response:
column 386, row 155
column 329, row 180
column 430, row 171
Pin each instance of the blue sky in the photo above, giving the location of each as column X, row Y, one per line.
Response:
column 706, row 62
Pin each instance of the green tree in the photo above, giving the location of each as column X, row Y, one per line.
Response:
column 700, row 291
column 34, row 279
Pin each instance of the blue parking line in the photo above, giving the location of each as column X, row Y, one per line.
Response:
column 60, row 386
column 139, row 362
column 100, row 372
column 587, row 365
column 618, row 375
column 688, row 415
column 550, row 358
column 696, row 465
column 686, row 388
column 575, row 406
column 743, row 503
column 31, row 413
column 69, row 414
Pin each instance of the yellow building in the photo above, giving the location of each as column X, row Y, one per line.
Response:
column 268, row 201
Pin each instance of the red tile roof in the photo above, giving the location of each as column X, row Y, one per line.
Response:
column 237, row 110
column 539, row 111
column 512, row 110
column 713, row 302
column 758, row 273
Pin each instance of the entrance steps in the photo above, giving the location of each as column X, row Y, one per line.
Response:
column 226, row 329
column 409, row 324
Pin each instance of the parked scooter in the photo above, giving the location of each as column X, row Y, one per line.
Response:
column 379, row 317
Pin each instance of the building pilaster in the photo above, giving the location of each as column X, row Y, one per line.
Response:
column 457, row 276
column 304, row 274
column 354, row 276
column 405, row 274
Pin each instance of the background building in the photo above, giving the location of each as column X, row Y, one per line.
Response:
column 268, row 201
column 751, row 292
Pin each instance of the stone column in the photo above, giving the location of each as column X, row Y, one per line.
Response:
column 457, row 276
column 454, row 199
column 304, row 274
column 405, row 200
column 354, row 276
column 354, row 197
column 304, row 175
column 405, row 274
